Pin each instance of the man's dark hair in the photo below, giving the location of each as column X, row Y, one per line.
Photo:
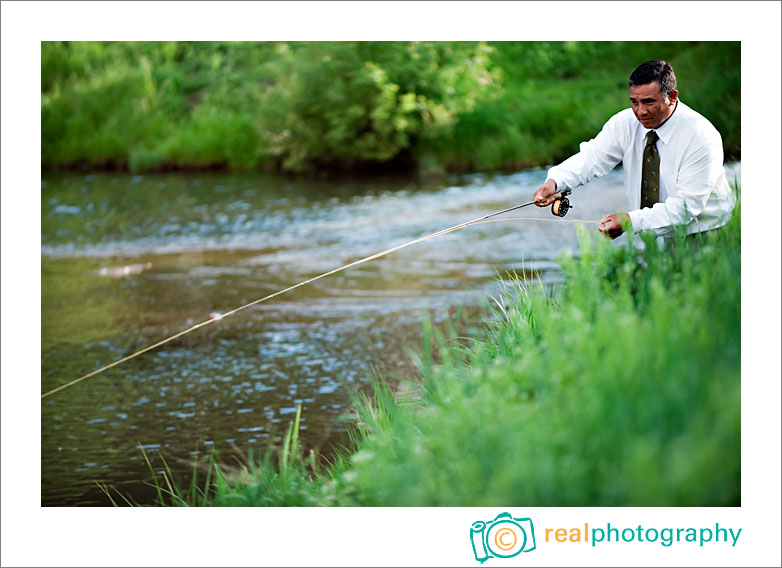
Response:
column 652, row 71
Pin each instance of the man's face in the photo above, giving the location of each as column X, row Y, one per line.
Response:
column 649, row 104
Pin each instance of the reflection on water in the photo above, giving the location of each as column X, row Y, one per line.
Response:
column 129, row 260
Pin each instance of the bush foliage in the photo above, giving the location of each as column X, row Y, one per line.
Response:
column 299, row 106
column 624, row 390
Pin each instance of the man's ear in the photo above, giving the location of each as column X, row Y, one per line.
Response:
column 673, row 96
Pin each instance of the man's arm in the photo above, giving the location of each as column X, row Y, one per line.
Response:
column 595, row 158
column 698, row 176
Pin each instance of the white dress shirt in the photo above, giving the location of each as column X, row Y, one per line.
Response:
column 694, row 190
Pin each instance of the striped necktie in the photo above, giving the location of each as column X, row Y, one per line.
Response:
column 650, row 172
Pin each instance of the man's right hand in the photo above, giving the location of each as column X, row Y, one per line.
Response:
column 543, row 196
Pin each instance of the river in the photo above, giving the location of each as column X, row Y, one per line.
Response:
column 129, row 260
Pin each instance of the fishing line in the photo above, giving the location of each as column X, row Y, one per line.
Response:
column 560, row 221
column 559, row 198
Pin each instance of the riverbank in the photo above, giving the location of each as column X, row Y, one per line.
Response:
column 622, row 389
column 347, row 106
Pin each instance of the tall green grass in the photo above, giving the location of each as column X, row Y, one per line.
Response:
column 282, row 476
column 622, row 390
column 621, row 387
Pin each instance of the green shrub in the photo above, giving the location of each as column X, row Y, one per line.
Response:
column 622, row 391
column 306, row 105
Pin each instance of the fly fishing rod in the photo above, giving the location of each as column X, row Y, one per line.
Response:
column 559, row 208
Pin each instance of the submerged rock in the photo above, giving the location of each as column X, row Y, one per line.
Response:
column 128, row 269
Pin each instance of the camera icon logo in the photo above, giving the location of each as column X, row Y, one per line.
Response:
column 504, row 537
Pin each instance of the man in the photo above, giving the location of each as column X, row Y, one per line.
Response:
column 671, row 156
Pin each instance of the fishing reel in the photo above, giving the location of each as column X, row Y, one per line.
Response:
column 561, row 205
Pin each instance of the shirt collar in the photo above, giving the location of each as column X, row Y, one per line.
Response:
column 666, row 130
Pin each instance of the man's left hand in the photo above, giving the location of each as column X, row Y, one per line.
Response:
column 613, row 225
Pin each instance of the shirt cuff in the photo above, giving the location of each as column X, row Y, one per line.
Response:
column 552, row 174
column 637, row 220
column 641, row 221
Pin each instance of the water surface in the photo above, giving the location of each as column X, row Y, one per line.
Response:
column 129, row 260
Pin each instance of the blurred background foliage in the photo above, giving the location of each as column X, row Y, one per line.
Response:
column 304, row 106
